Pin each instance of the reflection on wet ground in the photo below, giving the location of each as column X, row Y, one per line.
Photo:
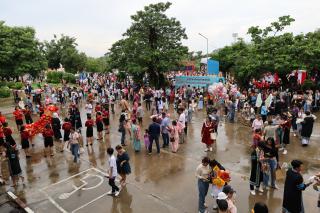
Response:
column 158, row 183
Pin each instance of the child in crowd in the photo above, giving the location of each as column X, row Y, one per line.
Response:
column 112, row 173
column 146, row 139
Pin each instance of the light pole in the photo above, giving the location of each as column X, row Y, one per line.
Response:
column 235, row 36
column 207, row 48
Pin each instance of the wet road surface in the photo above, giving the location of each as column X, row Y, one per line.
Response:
column 158, row 183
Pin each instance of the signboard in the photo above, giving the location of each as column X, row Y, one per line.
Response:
column 213, row 67
column 196, row 81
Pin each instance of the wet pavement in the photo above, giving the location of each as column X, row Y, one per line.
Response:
column 158, row 183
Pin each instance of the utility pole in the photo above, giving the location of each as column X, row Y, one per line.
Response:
column 207, row 48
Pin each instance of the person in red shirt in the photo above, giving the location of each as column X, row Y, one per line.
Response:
column 25, row 141
column 2, row 118
column 18, row 115
column 257, row 137
column 27, row 115
column 90, row 97
column 99, row 125
column 89, row 132
column 48, row 140
column 106, row 120
column 7, row 131
column 66, row 126
column 97, row 108
column 1, row 135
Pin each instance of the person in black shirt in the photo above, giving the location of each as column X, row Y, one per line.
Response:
column 293, row 187
column 307, row 127
column 148, row 100
column 260, row 207
column 154, row 133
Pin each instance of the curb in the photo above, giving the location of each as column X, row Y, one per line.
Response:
column 19, row 202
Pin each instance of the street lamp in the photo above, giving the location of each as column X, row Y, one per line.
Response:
column 235, row 36
column 207, row 48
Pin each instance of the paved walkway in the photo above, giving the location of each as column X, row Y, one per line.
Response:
column 158, row 183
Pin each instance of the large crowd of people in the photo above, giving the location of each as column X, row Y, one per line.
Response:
column 271, row 113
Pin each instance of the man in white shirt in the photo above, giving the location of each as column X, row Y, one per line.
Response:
column 88, row 108
column 181, row 124
column 112, row 173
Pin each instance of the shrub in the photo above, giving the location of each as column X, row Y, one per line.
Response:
column 5, row 92
column 54, row 77
column 16, row 85
column 69, row 78
column 10, row 84
column 3, row 83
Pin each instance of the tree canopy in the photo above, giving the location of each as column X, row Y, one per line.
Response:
column 97, row 64
column 152, row 45
column 270, row 50
column 20, row 52
column 64, row 51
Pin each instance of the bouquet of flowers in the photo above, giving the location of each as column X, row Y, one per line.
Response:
column 221, row 178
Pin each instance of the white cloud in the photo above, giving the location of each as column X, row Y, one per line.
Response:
column 98, row 23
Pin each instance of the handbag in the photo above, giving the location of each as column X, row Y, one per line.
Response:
column 213, row 136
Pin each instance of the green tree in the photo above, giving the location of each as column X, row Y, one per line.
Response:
column 20, row 52
column 96, row 64
column 270, row 50
column 64, row 51
column 229, row 55
column 151, row 45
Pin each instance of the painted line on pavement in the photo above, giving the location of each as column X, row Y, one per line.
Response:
column 63, row 180
column 92, row 201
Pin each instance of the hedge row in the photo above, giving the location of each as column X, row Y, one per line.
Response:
column 57, row 77
column 5, row 92
column 11, row 84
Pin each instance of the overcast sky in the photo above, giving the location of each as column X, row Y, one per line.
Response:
column 98, row 23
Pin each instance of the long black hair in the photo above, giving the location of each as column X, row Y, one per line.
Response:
column 273, row 144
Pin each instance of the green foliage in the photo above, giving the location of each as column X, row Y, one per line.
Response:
column 152, row 45
column 57, row 77
column 15, row 85
column 10, row 84
column 20, row 52
column 3, row 83
column 5, row 92
column 54, row 77
column 270, row 52
column 64, row 51
column 69, row 77
column 96, row 64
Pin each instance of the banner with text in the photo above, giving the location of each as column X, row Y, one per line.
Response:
column 197, row 81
